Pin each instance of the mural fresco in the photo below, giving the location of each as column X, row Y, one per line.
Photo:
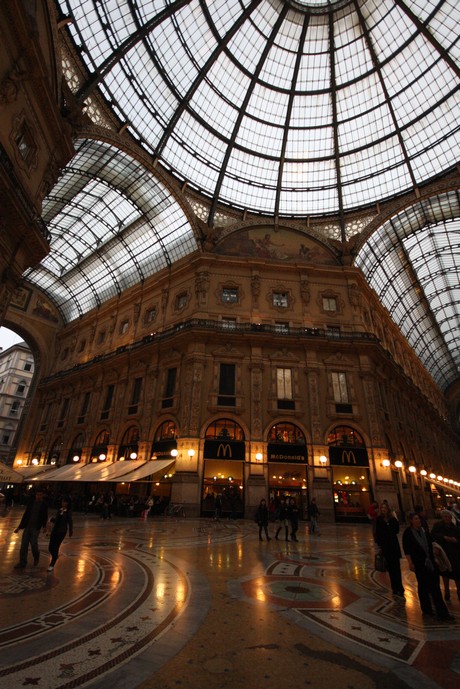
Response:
column 263, row 242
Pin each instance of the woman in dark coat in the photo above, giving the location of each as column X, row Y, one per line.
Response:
column 262, row 519
column 447, row 534
column 386, row 537
column 62, row 522
column 418, row 547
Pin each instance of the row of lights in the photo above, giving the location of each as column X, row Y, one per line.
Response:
column 423, row 472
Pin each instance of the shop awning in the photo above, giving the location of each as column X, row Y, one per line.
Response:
column 97, row 471
column 9, row 475
column 35, row 472
column 154, row 469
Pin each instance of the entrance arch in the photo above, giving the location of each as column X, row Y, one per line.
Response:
column 223, row 469
column 349, row 463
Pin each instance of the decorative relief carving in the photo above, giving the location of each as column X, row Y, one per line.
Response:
column 315, row 407
column 201, row 287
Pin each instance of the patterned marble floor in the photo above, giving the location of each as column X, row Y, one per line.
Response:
column 190, row 603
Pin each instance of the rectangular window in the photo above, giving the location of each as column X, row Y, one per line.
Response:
column 284, row 388
column 340, row 388
column 170, row 388
column 229, row 323
column 6, row 438
column 229, row 295
column 14, row 409
column 108, row 402
column 21, row 389
column 27, row 366
column 136, row 396
column 280, row 299
column 281, row 327
column 45, row 417
column 64, row 412
column 150, row 315
column 124, row 327
column 226, row 395
column 181, row 300
column 84, row 407
column 329, row 304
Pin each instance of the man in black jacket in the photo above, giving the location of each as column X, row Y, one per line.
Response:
column 34, row 518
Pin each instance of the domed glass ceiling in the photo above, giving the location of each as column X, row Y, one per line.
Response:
column 284, row 108
column 281, row 107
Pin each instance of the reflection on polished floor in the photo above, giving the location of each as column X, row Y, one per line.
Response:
column 190, row 603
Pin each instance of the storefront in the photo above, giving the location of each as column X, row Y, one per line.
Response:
column 223, row 474
column 349, row 463
column 287, row 465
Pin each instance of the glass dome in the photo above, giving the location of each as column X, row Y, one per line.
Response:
column 286, row 108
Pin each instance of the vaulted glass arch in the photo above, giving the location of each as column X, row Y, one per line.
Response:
column 413, row 263
column 112, row 225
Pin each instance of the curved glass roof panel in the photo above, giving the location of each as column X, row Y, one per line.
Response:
column 413, row 263
column 278, row 107
column 112, row 225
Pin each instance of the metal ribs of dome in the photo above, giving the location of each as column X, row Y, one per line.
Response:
column 277, row 110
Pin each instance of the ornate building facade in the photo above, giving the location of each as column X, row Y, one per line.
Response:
column 253, row 351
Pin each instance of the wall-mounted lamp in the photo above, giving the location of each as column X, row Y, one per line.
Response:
column 439, row 478
column 432, row 475
column 412, row 469
column 75, row 458
column 259, row 456
column 323, row 459
column 35, row 461
column 133, row 455
column 103, row 457
column 191, row 453
column 174, row 453
column 398, row 464
column 386, row 463
column 423, row 472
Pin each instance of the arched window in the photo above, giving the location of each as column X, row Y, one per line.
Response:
column 129, row 446
column 22, row 385
column 344, row 436
column 76, row 449
column 166, row 431
column 224, row 429
column 55, row 452
column 286, row 433
column 100, row 447
column 38, row 452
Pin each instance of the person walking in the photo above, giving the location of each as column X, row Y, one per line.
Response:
column 386, row 537
column 33, row 520
column 418, row 548
column 62, row 522
column 283, row 519
column 314, row 517
column 262, row 519
column 447, row 535
column 293, row 516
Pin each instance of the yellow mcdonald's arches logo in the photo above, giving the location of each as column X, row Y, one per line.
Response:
column 348, row 457
column 223, row 450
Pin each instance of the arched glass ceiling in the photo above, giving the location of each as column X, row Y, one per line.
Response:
column 413, row 263
column 112, row 225
column 284, row 108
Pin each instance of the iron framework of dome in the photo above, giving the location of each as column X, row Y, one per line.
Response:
column 281, row 108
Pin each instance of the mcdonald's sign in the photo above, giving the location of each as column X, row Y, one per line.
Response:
column 348, row 456
column 224, row 449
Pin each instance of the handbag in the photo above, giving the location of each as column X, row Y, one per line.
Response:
column 380, row 564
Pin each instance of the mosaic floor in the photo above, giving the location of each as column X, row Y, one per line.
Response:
column 189, row 603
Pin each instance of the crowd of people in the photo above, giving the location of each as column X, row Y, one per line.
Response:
column 431, row 554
